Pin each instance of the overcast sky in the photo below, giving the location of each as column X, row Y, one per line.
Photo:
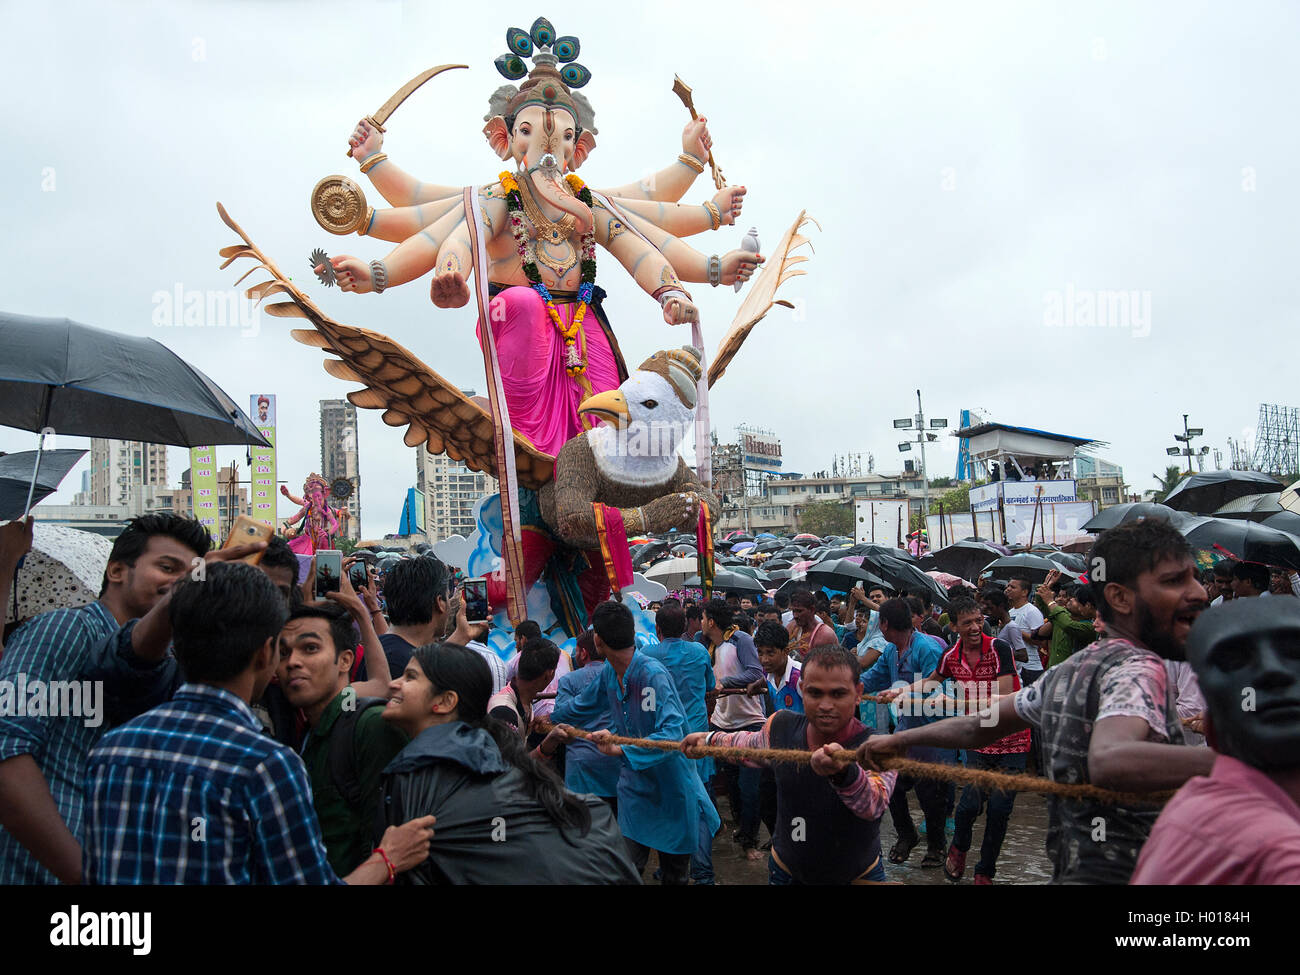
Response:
column 981, row 172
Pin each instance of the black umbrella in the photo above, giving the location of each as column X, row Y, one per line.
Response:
column 902, row 576
column 793, row 586
column 643, row 555
column 727, row 582
column 769, row 545
column 1034, row 566
column 1247, row 540
column 1071, row 563
column 1287, row 521
column 779, row 575
column 1253, row 507
column 683, row 549
column 79, row 381
column 17, row 472
column 1119, row 514
column 771, row 564
column 962, row 559
column 1213, row 489
column 842, row 575
column 889, row 551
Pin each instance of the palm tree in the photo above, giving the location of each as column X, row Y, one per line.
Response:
column 1173, row 474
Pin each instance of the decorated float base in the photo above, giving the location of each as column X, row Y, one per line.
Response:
column 481, row 555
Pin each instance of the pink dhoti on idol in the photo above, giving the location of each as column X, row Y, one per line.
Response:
column 542, row 397
column 543, row 401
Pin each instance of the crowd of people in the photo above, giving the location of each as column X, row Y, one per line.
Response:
column 255, row 734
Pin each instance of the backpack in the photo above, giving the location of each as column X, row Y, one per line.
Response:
column 343, row 748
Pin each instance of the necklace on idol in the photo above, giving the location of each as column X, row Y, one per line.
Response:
column 574, row 363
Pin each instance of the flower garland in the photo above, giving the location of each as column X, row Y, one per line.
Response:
column 574, row 364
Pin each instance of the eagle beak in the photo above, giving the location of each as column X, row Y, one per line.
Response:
column 610, row 406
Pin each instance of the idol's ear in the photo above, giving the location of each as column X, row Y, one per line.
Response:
column 498, row 136
column 586, row 142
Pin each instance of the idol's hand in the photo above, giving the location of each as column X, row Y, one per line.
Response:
column 696, row 139
column 740, row 265
column 353, row 273
column 449, row 290
column 672, row 511
column 366, row 140
column 729, row 201
column 679, row 311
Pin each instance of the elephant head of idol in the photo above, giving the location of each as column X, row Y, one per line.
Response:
column 543, row 125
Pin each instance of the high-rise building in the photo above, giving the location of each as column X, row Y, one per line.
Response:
column 339, row 457
column 118, row 466
column 450, row 492
column 82, row 497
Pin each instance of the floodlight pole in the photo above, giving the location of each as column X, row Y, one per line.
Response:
column 925, row 481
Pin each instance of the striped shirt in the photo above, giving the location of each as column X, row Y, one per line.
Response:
column 500, row 673
column 54, row 646
column 192, row 792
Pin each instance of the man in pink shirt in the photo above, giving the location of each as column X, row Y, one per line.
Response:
column 1241, row 824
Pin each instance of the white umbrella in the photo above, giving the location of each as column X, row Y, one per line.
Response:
column 63, row 570
column 673, row 572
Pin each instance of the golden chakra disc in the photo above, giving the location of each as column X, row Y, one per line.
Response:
column 339, row 205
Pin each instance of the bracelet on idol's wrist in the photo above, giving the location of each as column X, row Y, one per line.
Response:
column 370, row 162
column 378, row 276
column 715, row 217
column 663, row 295
column 691, row 161
column 715, row 270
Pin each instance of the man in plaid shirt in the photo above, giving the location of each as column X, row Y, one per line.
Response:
column 192, row 792
column 42, row 757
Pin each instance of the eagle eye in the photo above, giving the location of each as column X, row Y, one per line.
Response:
column 649, row 404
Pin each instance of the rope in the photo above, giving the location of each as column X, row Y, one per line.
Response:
column 1003, row 781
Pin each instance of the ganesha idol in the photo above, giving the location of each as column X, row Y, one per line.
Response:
column 319, row 522
column 531, row 237
column 524, row 250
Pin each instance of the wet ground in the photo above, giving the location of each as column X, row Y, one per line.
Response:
column 1023, row 859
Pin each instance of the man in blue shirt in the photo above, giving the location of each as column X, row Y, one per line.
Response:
column 692, row 672
column 660, row 797
column 908, row 657
column 193, row 792
column 586, row 770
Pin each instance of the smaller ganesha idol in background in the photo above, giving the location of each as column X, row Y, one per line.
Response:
column 319, row 522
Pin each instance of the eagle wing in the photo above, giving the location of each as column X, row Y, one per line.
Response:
column 779, row 268
column 435, row 412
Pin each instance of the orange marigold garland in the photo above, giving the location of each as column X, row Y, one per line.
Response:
column 574, row 364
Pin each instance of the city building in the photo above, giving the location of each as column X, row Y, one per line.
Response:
column 340, row 459
column 232, row 498
column 783, row 499
column 82, row 497
column 116, row 466
column 1100, row 481
column 450, row 491
column 110, row 519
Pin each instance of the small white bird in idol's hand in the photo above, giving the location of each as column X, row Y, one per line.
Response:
column 750, row 243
